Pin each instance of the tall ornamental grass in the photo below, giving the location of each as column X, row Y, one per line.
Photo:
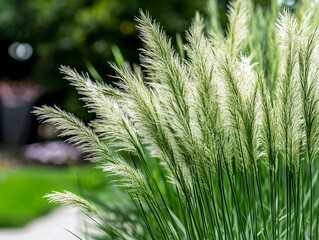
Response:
column 223, row 143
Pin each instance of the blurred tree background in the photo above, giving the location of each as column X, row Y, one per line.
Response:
column 78, row 33
column 81, row 34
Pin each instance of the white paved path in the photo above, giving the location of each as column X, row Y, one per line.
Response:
column 50, row 227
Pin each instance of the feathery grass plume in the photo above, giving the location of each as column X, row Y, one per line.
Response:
column 164, row 67
column 240, row 107
column 130, row 178
column 149, row 119
column 239, row 14
column 161, row 63
column 68, row 198
column 222, row 143
column 82, row 83
column 205, row 107
column 288, row 91
column 142, row 110
column 76, row 132
column 112, row 123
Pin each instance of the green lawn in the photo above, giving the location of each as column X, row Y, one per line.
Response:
column 22, row 189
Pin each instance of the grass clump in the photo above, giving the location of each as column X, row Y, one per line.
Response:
column 223, row 144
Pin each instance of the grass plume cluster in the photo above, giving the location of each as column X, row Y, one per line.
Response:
column 223, row 143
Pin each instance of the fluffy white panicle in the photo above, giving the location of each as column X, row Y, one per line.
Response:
column 239, row 14
column 68, row 198
column 130, row 178
column 76, row 132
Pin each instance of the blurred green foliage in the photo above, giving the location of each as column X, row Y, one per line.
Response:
column 73, row 30
column 22, row 189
